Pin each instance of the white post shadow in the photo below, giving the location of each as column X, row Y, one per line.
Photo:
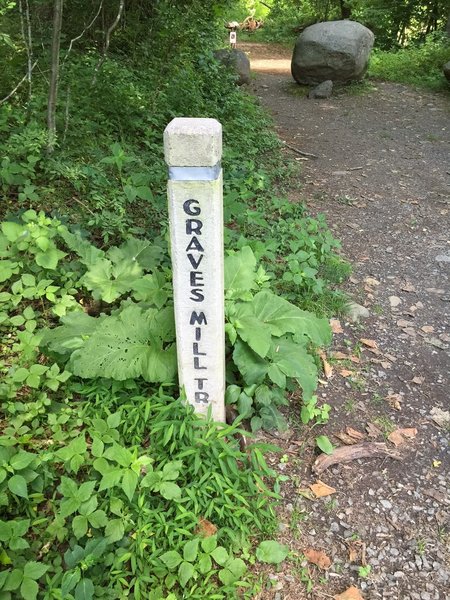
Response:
column 193, row 150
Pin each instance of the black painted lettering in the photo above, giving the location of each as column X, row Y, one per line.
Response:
column 197, row 365
column 194, row 244
column 198, row 334
column 202, row 397
column 200, row 381
column 193, row 226
column 198, row 318
column 196, row 351
column 195, row 263
column 192, row 208
column 197, row 295
column 196, row 278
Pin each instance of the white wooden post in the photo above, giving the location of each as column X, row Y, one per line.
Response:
column 193, row 150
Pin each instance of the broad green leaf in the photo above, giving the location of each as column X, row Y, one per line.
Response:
column 84, row 590
column 7, row 269
column 29, row 589
column 85, row 490
column 256, row 423
column 89, row 506
column 119, row 454
column 185, row 572
column 255, row 333
column 18, row 486
column 271, row 418
column 21, row 460
column 220, row 555
column 109, row 479
column 205, row 564
column 34, row 570
column 283, row 317
column 226, row 577
column 251, row 366
column 113, row 420
column 237, row 567
column 129, row 483
column 245, row 405
column 324, row 444
column 115, row 530
column 69, row 581
column 98, row 519
column 232, row 394
column 69, row 506
column 49, row 259
column 109, row 281
column 271, row 552
column 5, row 531
column 171, row 470
column 89, row 254
column 151, row 288
column 209, row 543
column 294, row 361
column 80, row 526
column 263, row 395
column 170, row 490
column 240, row 273
column 127, row 346
column 14, row 580
column 171, row 559
column 13, row 231
column 190, row 550
column 97, row 447
column 75, row 328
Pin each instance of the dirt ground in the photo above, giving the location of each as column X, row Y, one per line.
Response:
column 381, row 176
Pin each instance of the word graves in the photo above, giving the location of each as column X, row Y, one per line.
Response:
column 193, row 149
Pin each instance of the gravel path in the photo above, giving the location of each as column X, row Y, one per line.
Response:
column 381, row 177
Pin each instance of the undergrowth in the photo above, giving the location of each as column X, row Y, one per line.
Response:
column 110, row 486
column 418, row 64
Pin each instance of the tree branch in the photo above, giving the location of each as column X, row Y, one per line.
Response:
column 107, row 40
column 24, row 78
column 75, row 39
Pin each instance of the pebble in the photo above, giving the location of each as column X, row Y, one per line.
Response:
column 386, row 504
column 394, row 301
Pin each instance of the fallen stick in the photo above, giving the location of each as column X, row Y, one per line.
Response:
column 349, row 453
column 300, row 151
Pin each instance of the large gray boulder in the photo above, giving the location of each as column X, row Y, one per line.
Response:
column 336, row 50
column 446, row 69
column 237, row 61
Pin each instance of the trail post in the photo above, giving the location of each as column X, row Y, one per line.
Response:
column 193, row 151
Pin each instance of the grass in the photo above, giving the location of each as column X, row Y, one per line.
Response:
column 419, row 65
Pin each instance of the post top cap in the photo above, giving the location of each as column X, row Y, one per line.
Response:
column 190, row 142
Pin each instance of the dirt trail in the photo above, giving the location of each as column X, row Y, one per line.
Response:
column 381, row 177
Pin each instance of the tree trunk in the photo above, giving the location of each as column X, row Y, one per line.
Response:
column 346, row 11
column 54, row 75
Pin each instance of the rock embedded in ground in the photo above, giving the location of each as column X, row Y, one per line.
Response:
column 356, row 312
column 336, row 50
column 322, row 91
column 237, row 61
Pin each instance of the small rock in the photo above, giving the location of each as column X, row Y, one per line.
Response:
column 322, row 91
column 386, row 504
column 394, row 301
column 443, row 258
column 356, row 312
